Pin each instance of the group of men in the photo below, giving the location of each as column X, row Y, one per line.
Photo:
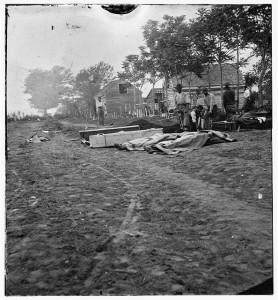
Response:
column 193, row 116
column 199, row 115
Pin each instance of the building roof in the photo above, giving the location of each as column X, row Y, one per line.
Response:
column 107, row 87
column 229, row 74
column 110, row 85
column 156, row 91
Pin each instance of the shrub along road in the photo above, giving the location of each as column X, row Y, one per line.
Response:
column 84, row 221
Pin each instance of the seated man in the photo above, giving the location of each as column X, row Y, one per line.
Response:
column 199, row 115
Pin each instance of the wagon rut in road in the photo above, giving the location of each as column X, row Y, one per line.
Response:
column 129, row 219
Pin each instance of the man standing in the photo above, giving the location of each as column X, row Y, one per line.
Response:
column 208, row 104
column 182, row 106
column 100, row 109
column 229, row 101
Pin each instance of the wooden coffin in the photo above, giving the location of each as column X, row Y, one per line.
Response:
column 109, row 140
column 85, row 134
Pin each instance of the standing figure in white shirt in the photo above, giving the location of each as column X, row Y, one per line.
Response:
column 182, row 106
column 100, row 110
column 208, row 105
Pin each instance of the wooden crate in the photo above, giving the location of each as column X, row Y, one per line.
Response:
column 97, row 141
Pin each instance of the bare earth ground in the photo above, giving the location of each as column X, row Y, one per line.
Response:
column 84, row 221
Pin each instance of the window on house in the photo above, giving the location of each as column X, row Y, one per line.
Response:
column 123, row 88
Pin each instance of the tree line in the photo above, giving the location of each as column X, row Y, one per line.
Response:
column 179, row 48
column 73, row 94
column 174, row 47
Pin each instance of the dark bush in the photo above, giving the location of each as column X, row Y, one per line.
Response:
column 52, row 124
column 266, row 108
column 249, row 103
column 31, row 118
column 61, row 116
column 220, row 116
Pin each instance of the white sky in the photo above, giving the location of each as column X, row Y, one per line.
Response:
column 102, row 36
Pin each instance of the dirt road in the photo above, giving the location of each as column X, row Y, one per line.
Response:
column 84, row 221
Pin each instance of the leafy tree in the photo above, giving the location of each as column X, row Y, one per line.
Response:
column 156, row 47
column 210, row 27
column 171, row 49
column 222, row 31
column 204, row 44
column 235, row 21
column 150, row 68
column 267, row 85
column 257, row 31
column 134, row 70
column 88, row 83
column 250, row 80
column 249, row 103
column 160, row 41
column 47, row 87
column 187, row 55
column 250, row 27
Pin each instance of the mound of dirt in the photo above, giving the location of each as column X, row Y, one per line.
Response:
column 72, row 131
column 145, row 124
column 52, row 125
column 172, row 129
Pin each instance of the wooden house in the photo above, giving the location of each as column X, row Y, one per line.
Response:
column 120, row 96
column 211, row 79
column 155, row 95
column 192, row 84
